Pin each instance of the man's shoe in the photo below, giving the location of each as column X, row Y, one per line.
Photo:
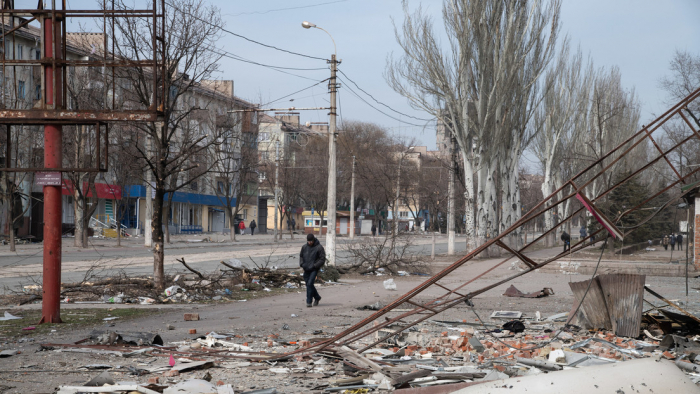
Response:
column 316, row 302
column 309, row 305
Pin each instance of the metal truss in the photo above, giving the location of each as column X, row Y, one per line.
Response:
column 579, row 188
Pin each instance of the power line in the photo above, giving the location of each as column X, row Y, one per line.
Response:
column 242, row 36
column 291, row 94
column 379, row 102
column 377, row 109
column 286, row 9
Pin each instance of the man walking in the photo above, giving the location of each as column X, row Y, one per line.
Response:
column 311, row 258
column 374, row 229
column 679, row 239
column 252, row 226
column 567, row 240
column 664, row 242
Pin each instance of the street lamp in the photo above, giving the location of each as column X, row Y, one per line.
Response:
column 333, row 87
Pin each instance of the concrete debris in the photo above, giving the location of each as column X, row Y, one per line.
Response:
column 432, row 357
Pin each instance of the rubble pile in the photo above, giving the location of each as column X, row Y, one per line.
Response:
column 449, row 356
column 226, row 283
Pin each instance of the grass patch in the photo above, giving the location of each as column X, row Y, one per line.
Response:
column 72, row 319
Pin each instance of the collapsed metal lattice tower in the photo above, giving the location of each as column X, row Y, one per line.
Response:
column 578, row 188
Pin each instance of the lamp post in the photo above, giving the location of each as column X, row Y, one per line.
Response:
column 330, row 231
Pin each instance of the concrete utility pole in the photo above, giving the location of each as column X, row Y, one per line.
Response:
column 53, row 157
column 277, row 177
column 352, row 201
column 451, row 201
column 396, row 202
column 331, row 200
column 148, row 228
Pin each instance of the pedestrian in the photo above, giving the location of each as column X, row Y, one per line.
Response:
column 374, row 229
column 241, row 227
column 679, row 239
column 311, row 258
column 582, row 232
column 664, row 242
column 252, row 226
column 673, row 241
column 567, row 241
column 294, row 224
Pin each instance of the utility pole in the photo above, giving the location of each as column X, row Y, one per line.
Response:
column 330, row 230
column 352, row 201
column 53, row 157
column 277, row 176
column 147, row 228
column 330, row 214
column 451, row 200
column 396, row 202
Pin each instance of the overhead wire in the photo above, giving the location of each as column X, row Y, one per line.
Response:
column 291, row 94
column 242, row 36
column 379, row 110
column 379, row 102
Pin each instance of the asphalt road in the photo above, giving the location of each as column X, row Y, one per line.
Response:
column 103, row 258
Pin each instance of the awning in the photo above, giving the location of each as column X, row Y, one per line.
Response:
column 139, row 191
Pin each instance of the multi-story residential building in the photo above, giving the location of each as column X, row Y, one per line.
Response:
column 195, row 207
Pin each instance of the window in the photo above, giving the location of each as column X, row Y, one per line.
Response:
column 37, row 93
column 173, row 92
column 262, row 175
column 193, row 186
column 245, row 214
column 263, row 136
column 20, row 90
column 220, row 187
column 264, row 155
column 20, row 51
column 38, row 54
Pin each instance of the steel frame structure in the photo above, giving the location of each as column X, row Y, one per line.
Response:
column 51, row 111
column 574, row 188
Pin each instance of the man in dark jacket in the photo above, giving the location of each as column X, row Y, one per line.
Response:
column 252, row 226
column 673, row 241
column 679, row 239
column 311, row 259
column 567, row 240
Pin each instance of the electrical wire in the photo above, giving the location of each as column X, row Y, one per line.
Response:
column 379, row 110
column 379, row 102
column 291, row 94
column 242, row 36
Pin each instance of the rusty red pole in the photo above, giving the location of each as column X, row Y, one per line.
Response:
column 51, row 307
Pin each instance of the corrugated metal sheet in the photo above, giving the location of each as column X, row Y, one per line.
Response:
column 614, row 302
column 624, row 297
column 594, row 308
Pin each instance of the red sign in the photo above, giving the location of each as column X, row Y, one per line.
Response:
column 47, row 178
column 110, row 192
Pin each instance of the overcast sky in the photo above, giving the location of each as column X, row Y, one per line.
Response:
column 638, row 36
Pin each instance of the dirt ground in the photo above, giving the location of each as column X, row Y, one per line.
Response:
column 41, row 371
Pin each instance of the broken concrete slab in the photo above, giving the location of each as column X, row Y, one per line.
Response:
column 644, row 376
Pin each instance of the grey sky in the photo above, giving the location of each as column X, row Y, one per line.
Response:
column 638, row 36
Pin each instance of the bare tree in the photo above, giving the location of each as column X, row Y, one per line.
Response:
column 190, row 31
column 479, row 86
